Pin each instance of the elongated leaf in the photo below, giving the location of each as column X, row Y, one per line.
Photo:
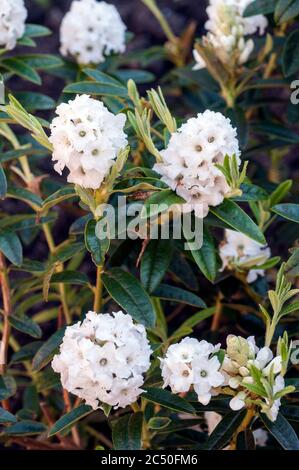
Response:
column 168, row 400
column 47, row 350
column 205, row 257
column 98, row 248
column 176, row 294
column 282, row 431
column 128, row 292
column 70, row 277
column 234, row 216
column 21, row 69
column 6, row 417
column 26, row 352
column 3, row 183
column 287, row 211
column 11, row 247
column 25, row 428
column 155, row 263
column 94, row 88
column 25, row 325
column 126, row 432
column 69, row 419
column 160, row 202
column 290, row 60
column 62, row 194
column 35, row 101
column 224, row 430
column 36, row 30
column 101, row 77
column 251, row 192
column 24, row 195
column 259, row 7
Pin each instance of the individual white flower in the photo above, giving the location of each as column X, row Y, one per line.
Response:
column 86, row 139
column 206, row 377
column 227, row 31
column 103, row 359
column 13, row 15
column 240, row 251
column 189, row 161
column 190, row 363
column 92, row 30
column 238, row 402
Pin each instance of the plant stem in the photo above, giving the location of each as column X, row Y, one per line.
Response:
column 153, row 7
column 98, row 297
column 7, row 307
column 243, row 426
column 218, row 313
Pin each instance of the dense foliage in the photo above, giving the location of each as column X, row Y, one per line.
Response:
column 134, row 341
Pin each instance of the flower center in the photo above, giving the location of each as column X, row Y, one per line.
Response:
column 186, row 373
column 203, row 373
column 198, row 148
column 82, row 133
column 103, row 362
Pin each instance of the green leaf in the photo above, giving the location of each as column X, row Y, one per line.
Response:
column 11, row 247
column 245, row 440
column 128, row 292
column 26, row 352
column 101, row 77
column 3, row 183
column 126, row 432
column 25, row 325
column 251, row 192
column 177, row 294
column 47, row 350
column 224, row 430
column 159, row 423
column 282, row 431
column 155, row 263
column 35, row 30
column 4, row 391
column 23, row 194
column 98, row 248
column 20, row 68
column 70, row 277
column 286, row 10
column 41, row 61
column 25, row 428
column 234, row 216
column 69, row 419
column 168, row 400
column 66, row 252
column 62, row 194
column 6, row 417
column 160, row 202
column 139, row 76
column 287, row 211
column 280, row 192
column 290, row 54
column 259, row 7
column 32, row 101
column 206, row 256
column 94, row 88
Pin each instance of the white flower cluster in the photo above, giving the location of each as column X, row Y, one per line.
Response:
column 92, row 30
column 103, row 359
column 192, row 363
column 244, row 366
column 12, row 22
column 86, row 139
column 227, row 29
column 241, row 252
column 189, row 161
